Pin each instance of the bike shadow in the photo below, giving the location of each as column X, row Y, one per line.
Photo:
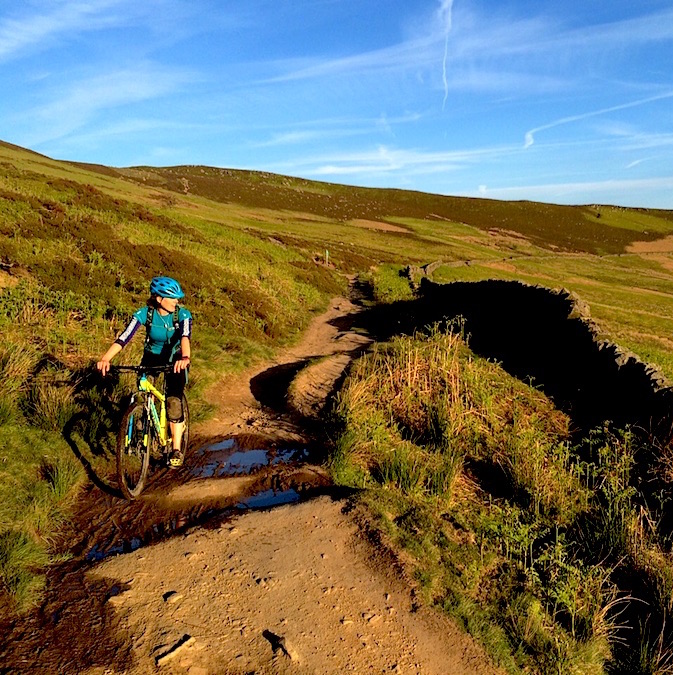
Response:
column 72, row 433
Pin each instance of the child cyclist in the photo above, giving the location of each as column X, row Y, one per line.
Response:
column 168, row 340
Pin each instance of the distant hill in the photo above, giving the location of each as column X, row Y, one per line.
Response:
column 570, row 228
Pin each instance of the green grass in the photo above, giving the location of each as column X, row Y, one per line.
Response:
column 534, row 546
column 77, row 256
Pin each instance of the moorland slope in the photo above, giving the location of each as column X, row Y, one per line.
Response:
column 260, row 256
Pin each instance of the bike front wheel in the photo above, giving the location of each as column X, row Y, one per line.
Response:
column 133, row 451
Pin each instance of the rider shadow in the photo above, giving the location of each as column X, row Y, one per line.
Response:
column 70, row 431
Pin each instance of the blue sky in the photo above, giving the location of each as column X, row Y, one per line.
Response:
column 560, row 102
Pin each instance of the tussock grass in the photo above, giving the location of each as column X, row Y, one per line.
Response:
column 534, row 545
column 20, row 555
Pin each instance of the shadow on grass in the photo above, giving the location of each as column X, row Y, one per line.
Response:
column 73, row 429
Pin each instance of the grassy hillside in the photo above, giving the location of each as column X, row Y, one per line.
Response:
column 617, row 259
column 76, row 255
column 78, row 244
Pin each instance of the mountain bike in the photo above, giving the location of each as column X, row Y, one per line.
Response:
column 144, row 431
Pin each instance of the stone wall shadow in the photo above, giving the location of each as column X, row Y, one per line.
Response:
column 545, row 336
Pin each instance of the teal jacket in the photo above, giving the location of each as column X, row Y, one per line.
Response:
column 163, row 337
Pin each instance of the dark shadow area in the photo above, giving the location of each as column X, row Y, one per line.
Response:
column 270, row 387
column 537, row 336
column 546, row 337
column 70, row 432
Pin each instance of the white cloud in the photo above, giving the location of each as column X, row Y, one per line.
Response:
column 59, row 19
column 485, row 52
column 529, row 137
column 384, row 159
column 81, row 102
column 445, row 19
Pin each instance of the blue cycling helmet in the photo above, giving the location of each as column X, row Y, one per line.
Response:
column 166, row 288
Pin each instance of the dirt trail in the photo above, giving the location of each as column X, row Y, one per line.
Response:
column 210, row 586
column 292, row 590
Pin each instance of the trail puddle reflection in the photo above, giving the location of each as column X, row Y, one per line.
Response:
column 226, row 458
column 269, row 498
column 223, row 480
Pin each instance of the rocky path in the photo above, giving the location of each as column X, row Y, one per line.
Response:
column 212, row 585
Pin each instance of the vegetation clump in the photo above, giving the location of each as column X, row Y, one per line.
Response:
column 533, row 543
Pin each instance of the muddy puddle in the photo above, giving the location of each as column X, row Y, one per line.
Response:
column 227, row 458
column 220, row 481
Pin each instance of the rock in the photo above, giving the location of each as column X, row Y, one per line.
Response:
column 171, row 597
column 116, row 600
column 280, row 644
column 183, row 642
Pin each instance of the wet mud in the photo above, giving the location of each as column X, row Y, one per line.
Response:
column 219, row 480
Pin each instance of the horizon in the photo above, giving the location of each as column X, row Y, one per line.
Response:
column 521, row 101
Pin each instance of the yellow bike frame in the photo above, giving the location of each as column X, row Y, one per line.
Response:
column 158, row 418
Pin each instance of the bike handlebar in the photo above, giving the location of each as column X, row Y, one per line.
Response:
column 145, row 369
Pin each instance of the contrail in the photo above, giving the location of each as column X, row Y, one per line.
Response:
column 444, row 13
column 529, row 137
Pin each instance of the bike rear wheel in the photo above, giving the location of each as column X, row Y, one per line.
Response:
column 133, row 450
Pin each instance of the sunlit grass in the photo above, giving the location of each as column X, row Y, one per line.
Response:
column 80, row 246
column 523, row 536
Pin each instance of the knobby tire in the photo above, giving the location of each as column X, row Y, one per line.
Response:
column 133, row 457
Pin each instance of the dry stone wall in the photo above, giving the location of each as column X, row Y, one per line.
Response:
column 549, row 336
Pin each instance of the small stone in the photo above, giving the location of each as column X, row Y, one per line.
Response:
column 288, row 649
column 116, row 600
column 346, row 622
column 171, row 597
column 183, row 642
